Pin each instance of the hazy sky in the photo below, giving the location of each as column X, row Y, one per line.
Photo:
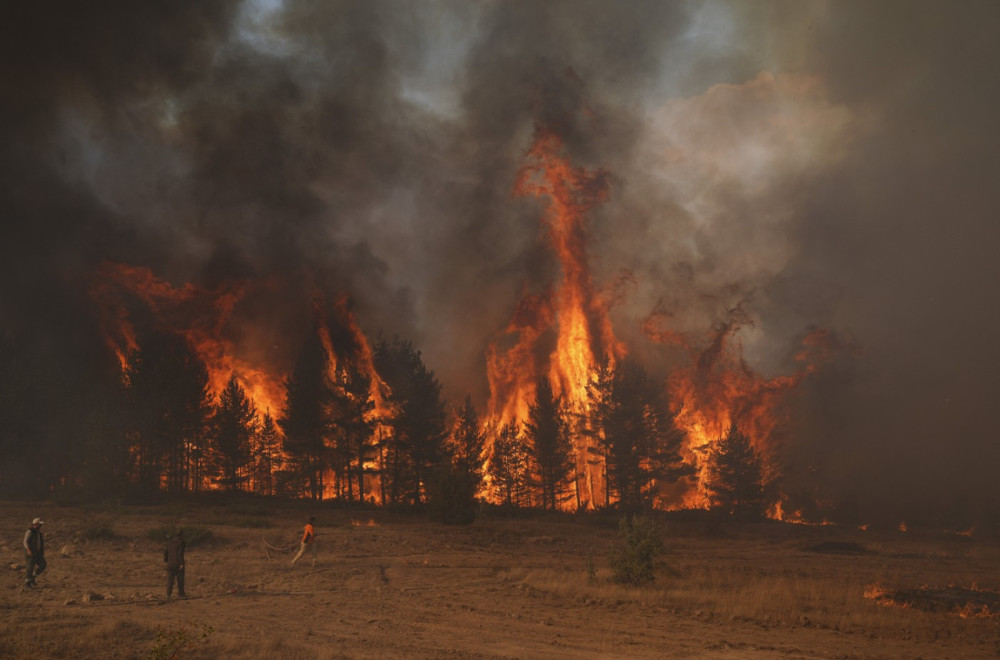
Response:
column 829, row 165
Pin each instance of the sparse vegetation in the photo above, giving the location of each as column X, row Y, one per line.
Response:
column 172, row 643
column 397, row 586
column 633, row 557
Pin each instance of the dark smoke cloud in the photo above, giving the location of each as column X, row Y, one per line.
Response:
column 825, row 165
column 904, row 229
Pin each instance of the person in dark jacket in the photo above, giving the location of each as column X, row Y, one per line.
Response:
column 34, row 547
column 173, row 555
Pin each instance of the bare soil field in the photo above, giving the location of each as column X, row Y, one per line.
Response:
column 388, row 585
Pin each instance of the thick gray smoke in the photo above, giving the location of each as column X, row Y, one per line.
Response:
column 823, row 165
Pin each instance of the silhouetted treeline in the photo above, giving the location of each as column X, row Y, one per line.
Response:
column 346, row 432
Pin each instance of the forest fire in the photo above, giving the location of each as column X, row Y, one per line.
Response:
column 200, row 315
column 361, row 358
column 572, row 310
column 561, row 335
column 132, row 296
column 718, row 389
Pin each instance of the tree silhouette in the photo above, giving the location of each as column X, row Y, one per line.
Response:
column 507, row 465
column 735, row 478
column 266, row 451
column 548, row 446
column 62, row 421
column 306, row 421
column 417, row 428
column 354, row 427
column 455, row 484
column 169, row 404
column 467, row 445
column 636, row 435
column 234, row 424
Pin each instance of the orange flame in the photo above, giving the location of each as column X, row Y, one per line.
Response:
column 199, row 314
column 362, row 357
column 719, row 388
column 572, row 309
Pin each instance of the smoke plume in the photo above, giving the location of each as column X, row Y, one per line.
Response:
column 816, row 165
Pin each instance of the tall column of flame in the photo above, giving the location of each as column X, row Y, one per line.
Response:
column 362, row 357
column 578, row 315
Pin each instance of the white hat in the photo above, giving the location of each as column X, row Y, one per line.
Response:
column 37, row 521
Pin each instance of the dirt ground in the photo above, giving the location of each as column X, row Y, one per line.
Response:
column 393, row 586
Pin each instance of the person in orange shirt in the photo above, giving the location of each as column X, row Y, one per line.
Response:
column 308, row 541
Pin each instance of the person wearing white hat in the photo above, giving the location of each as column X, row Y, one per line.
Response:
column 34, row 546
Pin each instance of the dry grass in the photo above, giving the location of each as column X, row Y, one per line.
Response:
column 783, row 584
column 388, row 585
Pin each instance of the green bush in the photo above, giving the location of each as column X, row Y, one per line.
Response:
column 632, row 557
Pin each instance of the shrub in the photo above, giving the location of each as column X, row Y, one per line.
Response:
column 633, row 555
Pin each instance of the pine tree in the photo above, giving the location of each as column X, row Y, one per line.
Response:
column 636, row 435
column 417, row 431
column 549, row 446
column 735, row 480
column 352, row 418
column 234, row 424
column 267, row 448
column 507, row 465
column 306, row 422
column 168, row 404
column 468, row 443
column 455, row 484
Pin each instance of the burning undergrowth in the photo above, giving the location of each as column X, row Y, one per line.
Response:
column 967, row 602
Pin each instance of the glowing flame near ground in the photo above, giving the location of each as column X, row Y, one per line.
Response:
column 201, row 315
column 718, row 388
column 965, row 602
column 571, row 309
